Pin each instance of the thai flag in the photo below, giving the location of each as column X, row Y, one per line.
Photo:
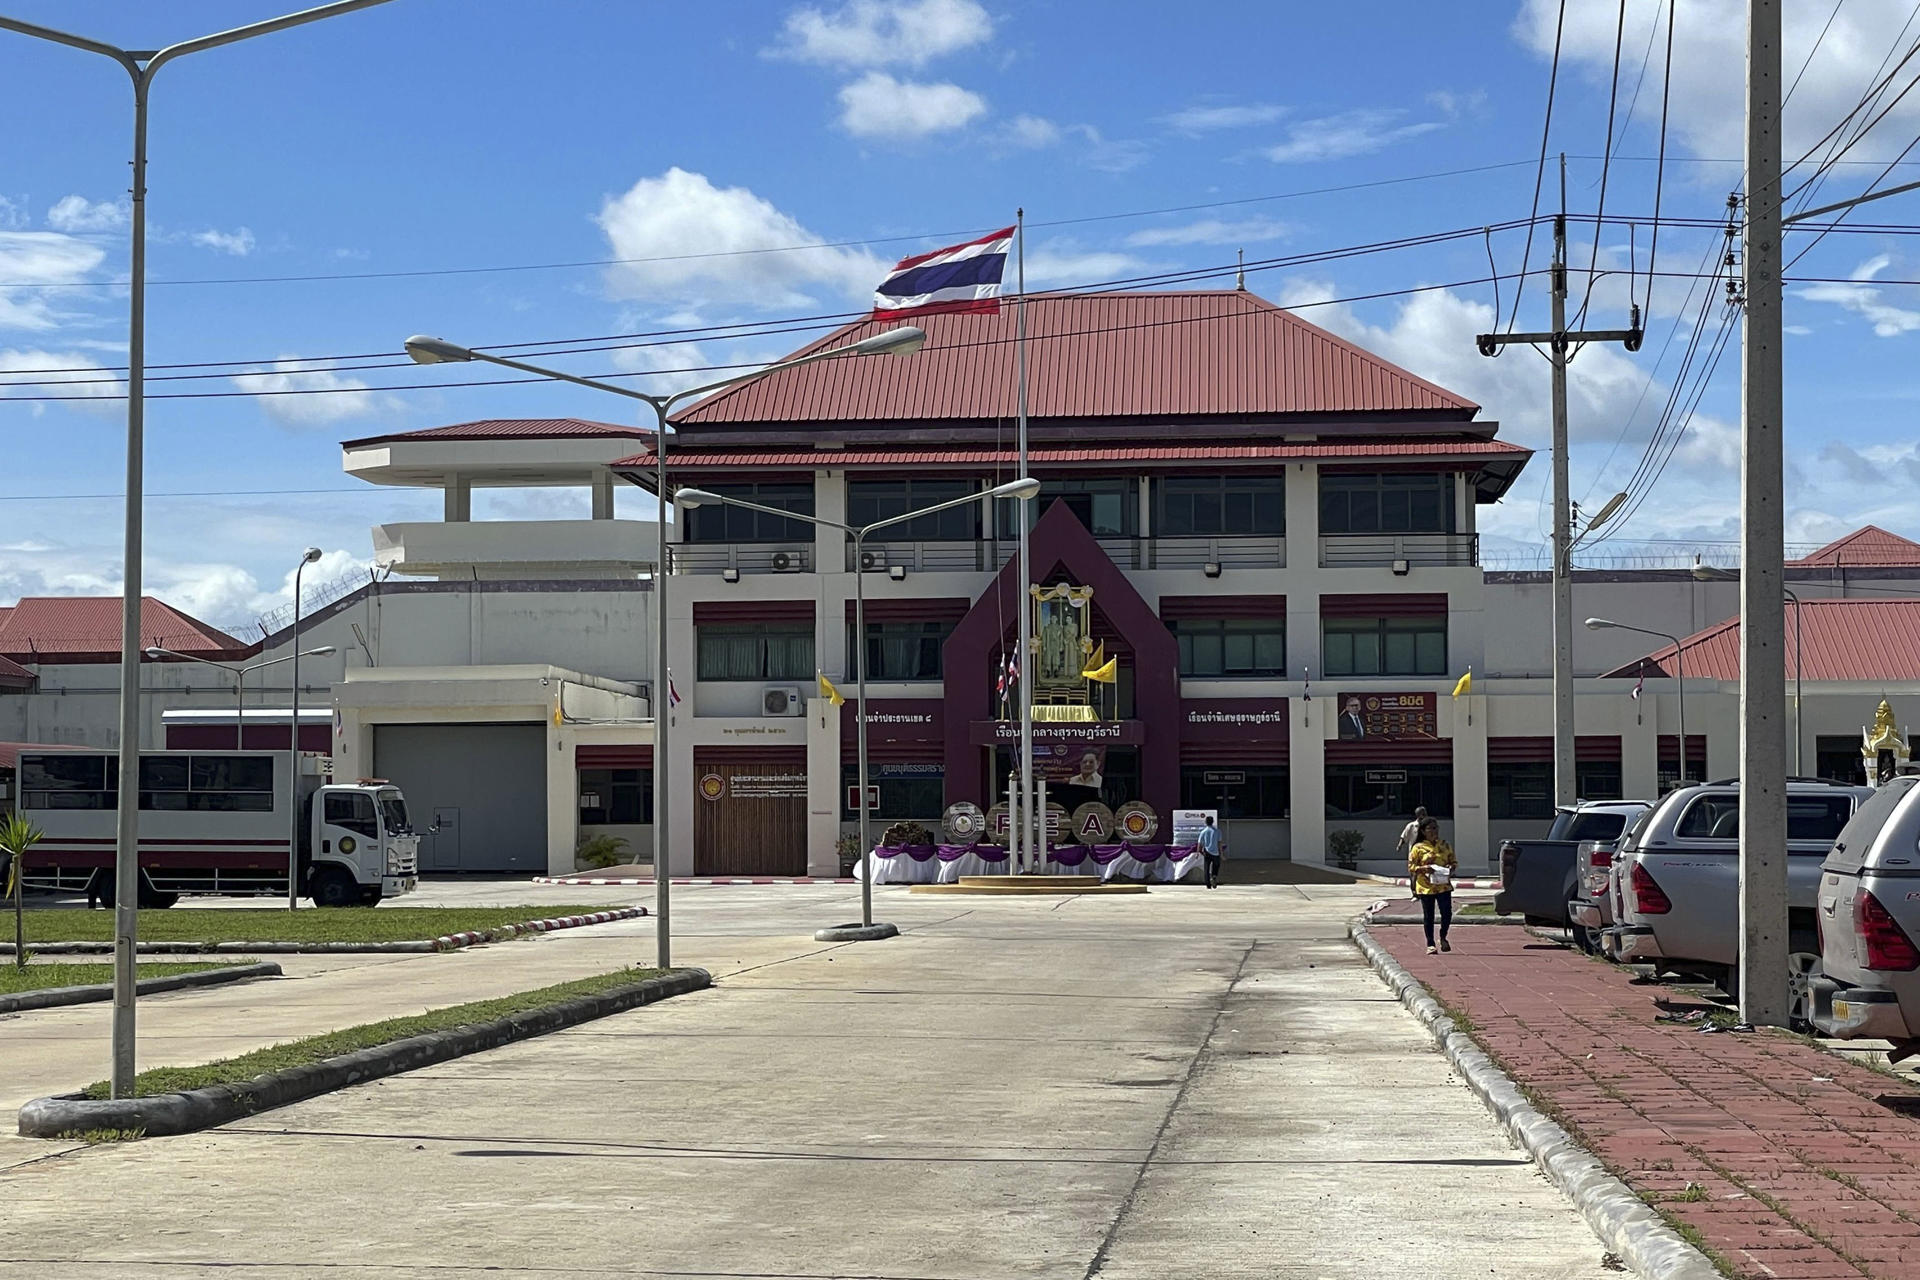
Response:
column 1638, row 685
column 1013, row 669
column 673, row 691
column 963, row 277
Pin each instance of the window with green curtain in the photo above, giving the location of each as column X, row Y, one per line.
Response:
column 746, row 651
column 901, row 650
column 1231, row 646
column 1384, row 646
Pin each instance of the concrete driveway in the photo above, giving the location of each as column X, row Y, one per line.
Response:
column 1179, row 1084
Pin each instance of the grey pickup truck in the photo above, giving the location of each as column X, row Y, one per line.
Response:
column 1538, row 878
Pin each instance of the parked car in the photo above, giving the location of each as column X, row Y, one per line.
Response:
column 1675, row 882
column 1869, row 918
column 1538, row 877
column 1590, row 910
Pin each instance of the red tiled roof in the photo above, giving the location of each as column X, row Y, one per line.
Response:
column 509, row 429
column 87, row 629
column 1048, row 455
column 1146, row 354
column 1843, row 639
column 12, row 674
column 1869, row 546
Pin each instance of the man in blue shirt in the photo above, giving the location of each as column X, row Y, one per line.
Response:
column 1210, row 850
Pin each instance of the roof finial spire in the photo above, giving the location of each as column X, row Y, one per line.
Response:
column 1240, row 276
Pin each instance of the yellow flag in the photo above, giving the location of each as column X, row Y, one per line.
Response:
column 830, row 693
column 557, row 717
column 1105, row 674
column 1099, row 657
column 1465, row 684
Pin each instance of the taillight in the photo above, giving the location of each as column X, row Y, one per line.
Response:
column 1888, row 946
column 1599, row 858
column 1649, row 899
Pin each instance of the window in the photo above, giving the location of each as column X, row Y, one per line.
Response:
column 1107, row 507
column 871, row 500
column 718, row 522
column 1209, row 505
column 1267, row 792
column 69, row 782
column 1590, row 826
column 1839, row 759
column 1384, row 646
column 354, row 811
column 1598, row 780
column 902, row 650
column 619, row 797
column 1710, row 818
column 1519, row 790
column 743, row 651
column 1350, row 795
column 1810, row 818
column 1231, row 647
column 907, row 792
column 230, row 784
column 393, row 812
column 1386, row 503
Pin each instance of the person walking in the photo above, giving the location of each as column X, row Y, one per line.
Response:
column 1430, row 865
column 1210, row 850
column 1410, row 833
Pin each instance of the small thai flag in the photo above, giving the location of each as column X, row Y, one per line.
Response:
column 673, row 692
column 1637, row 686
column 1013, row 669
column 962, row 277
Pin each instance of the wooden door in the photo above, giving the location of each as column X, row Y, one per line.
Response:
column 750, row 812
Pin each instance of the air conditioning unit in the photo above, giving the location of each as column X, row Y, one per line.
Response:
column 788, row 562
column 782, row 700
column 873, row 560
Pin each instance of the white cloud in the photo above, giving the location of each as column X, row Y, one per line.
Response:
column 1031, row 131
column 1208, row 119
column 878, row 106
column 77, row 375
column 706, row 244
column 878, row 33
column 13, row 214
column 1709, row 68
column 290, row 392
column 238, row 243
column 1213, row 231
column 1066, row 265
column 1350, row 133
column 30, row 258
column 1863, row 300
column 77, row 213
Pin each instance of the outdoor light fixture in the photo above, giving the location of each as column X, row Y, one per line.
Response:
column 1211, row 569
column 1679, row 675
column 426, row 350
column 897, row 572
column 729, row 575
column 1401, row 568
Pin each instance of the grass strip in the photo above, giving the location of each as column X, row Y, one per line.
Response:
column 46, row 975
column 312, row 1049
column 277, row 924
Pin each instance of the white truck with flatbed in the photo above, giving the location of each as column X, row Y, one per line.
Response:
column 216, row 822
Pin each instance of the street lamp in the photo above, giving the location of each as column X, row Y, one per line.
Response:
column 1679, row 672
column 141, row 65
column 307, row 557
column 1708, row 573
column 903, row 340
column 1023, row 490
column 239, row 675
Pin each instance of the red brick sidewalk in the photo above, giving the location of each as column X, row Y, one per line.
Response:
column 1779, row 1155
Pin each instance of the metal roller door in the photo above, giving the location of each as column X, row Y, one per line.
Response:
column 485, row 784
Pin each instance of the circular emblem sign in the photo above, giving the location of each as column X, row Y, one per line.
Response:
column 1135, row 822
column 713, row 786
column 1092, row 823
column 347, row 844
column 965, row 823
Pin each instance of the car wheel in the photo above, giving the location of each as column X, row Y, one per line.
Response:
column 1583, row 937
column 1803, row 966
column 333, row 887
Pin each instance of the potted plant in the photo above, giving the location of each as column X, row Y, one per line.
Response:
column 1344, row 846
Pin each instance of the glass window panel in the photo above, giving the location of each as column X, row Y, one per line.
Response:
column 1237, row 653
column 1400, row 658
column 163, row 773
column 1207, row 659
column 1366, row 653
column 1431, row 652
column 1270, row 652
column 1338, row 659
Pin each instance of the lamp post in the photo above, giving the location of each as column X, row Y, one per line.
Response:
column 903, row 340
column 1679, row 673
column 1021, row 490
column 307, row 557
column 141, row 65
column 1708, row 573
column 239, row 675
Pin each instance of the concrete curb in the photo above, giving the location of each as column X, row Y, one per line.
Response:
column 54, row 997
column 1624, row 1222
column 856, row 933
column 447, row 942
column 194, row 1109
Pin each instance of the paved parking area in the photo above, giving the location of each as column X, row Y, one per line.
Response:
column 1178, row 1084
column 1788, row 1161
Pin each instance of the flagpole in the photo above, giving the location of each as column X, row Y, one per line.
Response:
column 1025, row 699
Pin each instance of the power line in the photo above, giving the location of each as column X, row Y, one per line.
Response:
column 1660, row 173
column 1606, row 165
column 1540, row 173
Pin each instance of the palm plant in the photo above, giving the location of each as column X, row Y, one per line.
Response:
column 17, row 835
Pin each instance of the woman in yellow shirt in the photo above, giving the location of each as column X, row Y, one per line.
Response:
column 1430, row 866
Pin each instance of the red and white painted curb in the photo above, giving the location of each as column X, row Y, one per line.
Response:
column 473, row 937
column 696, row 880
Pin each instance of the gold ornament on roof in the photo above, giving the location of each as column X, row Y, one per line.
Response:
column 1883, row 734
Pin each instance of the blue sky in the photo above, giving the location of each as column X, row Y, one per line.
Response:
column 445, row 136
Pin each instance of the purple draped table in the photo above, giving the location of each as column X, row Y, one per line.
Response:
column 946, row 863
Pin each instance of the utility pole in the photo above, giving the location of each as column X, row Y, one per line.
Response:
column 1763, row 669
column 1558, row 341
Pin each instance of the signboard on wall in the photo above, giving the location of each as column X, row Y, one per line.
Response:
column 1004, row 733
column 1188, row 823
column 1232, row 719
column 1389, row 717
column 895, row 721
